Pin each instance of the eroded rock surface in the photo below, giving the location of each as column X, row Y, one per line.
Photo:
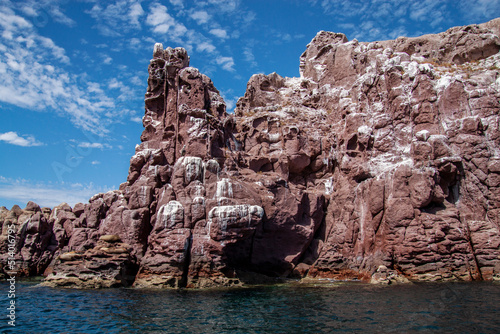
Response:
column 380, row 162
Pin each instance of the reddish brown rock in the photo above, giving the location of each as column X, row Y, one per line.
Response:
column 108, row 264
column 29, row 235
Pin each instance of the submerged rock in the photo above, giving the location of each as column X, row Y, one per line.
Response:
column 380, row 162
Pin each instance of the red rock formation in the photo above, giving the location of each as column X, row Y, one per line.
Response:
column 381, row 160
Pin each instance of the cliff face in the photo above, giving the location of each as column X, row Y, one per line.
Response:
column 381, row 162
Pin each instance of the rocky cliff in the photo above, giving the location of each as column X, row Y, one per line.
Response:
column 380, row 162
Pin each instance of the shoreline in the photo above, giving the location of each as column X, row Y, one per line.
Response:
column 37, row 281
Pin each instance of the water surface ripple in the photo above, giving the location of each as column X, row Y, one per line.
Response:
column 353, row 308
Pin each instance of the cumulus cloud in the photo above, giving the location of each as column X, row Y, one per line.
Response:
column 117, row 17
column 135, row 12
column 29, row 11
column 107, row 60
column 226, row 63
column 162, row 22
column 159, row 18
column 221, row 33
column 177, row 3
column 14, row 139
column 200, row 16
column 205, row 47
column 136, row 119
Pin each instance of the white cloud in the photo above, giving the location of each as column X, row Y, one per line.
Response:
column 114, row 84
column 94, row 145
column 226, row 63
column 249, row 17
column 134, row 43
column 28, row 10
column 162, row 23
column 344, row 7
column 117, row 17
column 14, row 139
column 422, row 10
column 95, row 162
column 221, row 33
column 347, row 26
column 393, row 18
column 42, row 11
column 135, row 12
column 159, row 19
column 25, row 55
column 47, row 194
column 249, row 56
column 384, row 16
column 125, row 92
column 225, row 5
column 9, row 21
column 107, row 60
column 107, row 31
column 200, row 16
column 57, row 51
column 229, row 98
column 205, row 47
column 177, row 3
column 179, row 30
column 397, row 32
column 480, row 9
column 137, row 81
column 230, row 102
column 60, row 17
column 136, row 119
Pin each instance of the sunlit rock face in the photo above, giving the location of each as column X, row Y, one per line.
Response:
column 380, row 162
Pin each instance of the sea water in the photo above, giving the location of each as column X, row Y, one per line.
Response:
column 286, row 308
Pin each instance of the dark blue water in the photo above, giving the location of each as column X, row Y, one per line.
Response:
column 353, row 308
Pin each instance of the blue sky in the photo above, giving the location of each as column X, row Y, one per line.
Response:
column 73, row 73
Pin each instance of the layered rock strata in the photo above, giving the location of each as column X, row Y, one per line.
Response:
column 380, row 162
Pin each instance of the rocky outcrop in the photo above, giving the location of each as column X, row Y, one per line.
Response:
column 380, row 162
column 27, row 238
column 108, row 264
